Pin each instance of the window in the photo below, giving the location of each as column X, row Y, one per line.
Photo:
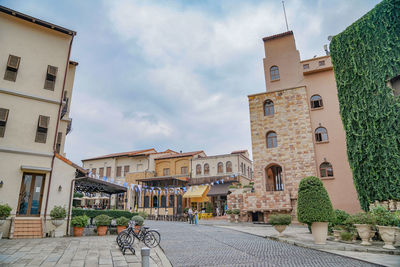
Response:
column 184, row 170
column 198, row 169
column 306, row 66
column 321, row 63
column 241, row 167
column 50, row 77
column 272, row 140
column 248, row 171
column 94, row 171
column 274, row 178
column 101, row 172
column 163, row 201
column 146, row 201
column 3, row 121
column 326, row 169
column 12, row 68
column 316, row 101
column 394, row 83
column 228, row 166
column 268, row 108
column 321, row 134
column 126, row 170
column 41, row 131
column 171, row 201
column 206, row 168
column 119, row 171
column 220, row 167
column 155, row 201
column 274, row 71
column 166, row 171
column 58, row 144
column 108, row 173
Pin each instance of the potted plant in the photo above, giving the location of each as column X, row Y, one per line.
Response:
column 228, row 214
column 386, row 222
column 363, row 222
column 5, row 211
column 102, row 221
column 58, row 214
column 138, row 222
column 79, row 222
column 122, row 223
column 280, row 221
column 347, row 237
column 337, row 230
column 236, row 212
column 314, row 207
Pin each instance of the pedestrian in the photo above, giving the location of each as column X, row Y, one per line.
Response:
column 196, row 217
column 217, row 211
column 190, row 213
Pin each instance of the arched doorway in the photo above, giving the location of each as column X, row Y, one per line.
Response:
column 274, row 181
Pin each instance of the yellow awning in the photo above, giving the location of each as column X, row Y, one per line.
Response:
column 198, row 192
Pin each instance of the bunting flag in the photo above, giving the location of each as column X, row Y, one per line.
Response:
column 111, row 180
column 217, row 182
column 104, row 178
column 125, row 184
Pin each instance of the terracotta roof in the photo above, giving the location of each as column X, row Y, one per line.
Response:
column 76, row 166
column 126, row 154
column 36, row 21
column 179, row 155
column 277, row 35
column 239, row 151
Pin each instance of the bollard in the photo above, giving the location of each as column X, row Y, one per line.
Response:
column 145, row 256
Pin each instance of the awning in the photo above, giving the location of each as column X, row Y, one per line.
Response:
column 219, row 189
column 93, row 185
column 198, row 193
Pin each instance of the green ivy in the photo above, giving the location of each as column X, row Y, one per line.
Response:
column 364, row 57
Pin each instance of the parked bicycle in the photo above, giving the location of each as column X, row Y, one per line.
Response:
column 151, row 238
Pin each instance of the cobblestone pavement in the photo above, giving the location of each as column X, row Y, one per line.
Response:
column 189, row 245
column 69, row 251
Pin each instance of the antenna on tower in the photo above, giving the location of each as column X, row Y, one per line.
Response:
column 284, row 12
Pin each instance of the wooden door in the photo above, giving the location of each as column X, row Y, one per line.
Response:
column 31, row 194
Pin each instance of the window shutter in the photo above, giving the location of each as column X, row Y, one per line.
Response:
column 13, row 62
column 10, row 76
column 44, row 121
column 51, row 70
column 3, row 114
column 41, row 137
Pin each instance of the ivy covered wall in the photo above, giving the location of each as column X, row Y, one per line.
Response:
column 364, row 57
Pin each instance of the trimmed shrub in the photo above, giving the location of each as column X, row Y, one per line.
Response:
column 228, row 211
column 363, row 218
column 80, row 221
column 103, row 220
column 78, row 195
column 5, row 211
column 280, row 219
column 340, row 216
column 383, row 217
column 247, row 186
column 143, row 214
column 138, row 220
column 346, row 236
column 94, row 213
column 236, row 211
column 313, row 202
column 122, row 221
column 58, row 212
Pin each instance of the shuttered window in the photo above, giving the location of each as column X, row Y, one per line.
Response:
column 3, row 121
column 101, row 172
column 126, row 170
column 41, row 131
column 119, row 171
column 50, row 77
column 12, row 68
column 58, row 144
column 108, row 173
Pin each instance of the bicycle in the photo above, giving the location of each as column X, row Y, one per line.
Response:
column 125, row 240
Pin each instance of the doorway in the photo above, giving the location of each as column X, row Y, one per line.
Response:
column 31, row 194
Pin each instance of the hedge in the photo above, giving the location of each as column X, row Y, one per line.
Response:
column 313, row 202
column 364, row 57
column 112, row 213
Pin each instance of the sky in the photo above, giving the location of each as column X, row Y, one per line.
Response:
column 176, row 74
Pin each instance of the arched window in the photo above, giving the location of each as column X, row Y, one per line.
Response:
column 171, row 201
column 272, row 140
column 274, row 181
column 241, row 167
column 163, row 201
column 228, row 166
column 220, row 167
column 198, row 169
column 316, row 101
column 326, row 169
column 155, row 202
column 274, row 71
column 248, row 172
column 268, row 108
column 206, row 168
column 321, row 134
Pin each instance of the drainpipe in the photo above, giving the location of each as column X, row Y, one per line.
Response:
column 70, row 201
column 55, row 135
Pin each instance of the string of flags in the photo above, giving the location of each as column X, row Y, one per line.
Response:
column 152, row 189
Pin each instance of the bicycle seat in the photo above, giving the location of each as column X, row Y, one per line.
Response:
column 145, row 227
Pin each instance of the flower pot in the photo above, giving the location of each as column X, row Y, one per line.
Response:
column 398, row 205
column 336, row 234
column 397, row 239
column 319, row 232
column 228, row 216
column 371, row 235
column 392, row 205
column 280, row 229
column 120, row 228
column 101, row 230
column 387, row 234
column 2, row 221
column 236, row 218
column 364, row 231
column 78, row 231
column 57, row 222
column 137, row 229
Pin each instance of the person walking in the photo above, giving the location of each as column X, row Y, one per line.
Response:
column 196, row 217
column 190, row 213
column 217, row 211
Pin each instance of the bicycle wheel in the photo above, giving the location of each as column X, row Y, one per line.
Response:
column 152, row 239
column 124, row 238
